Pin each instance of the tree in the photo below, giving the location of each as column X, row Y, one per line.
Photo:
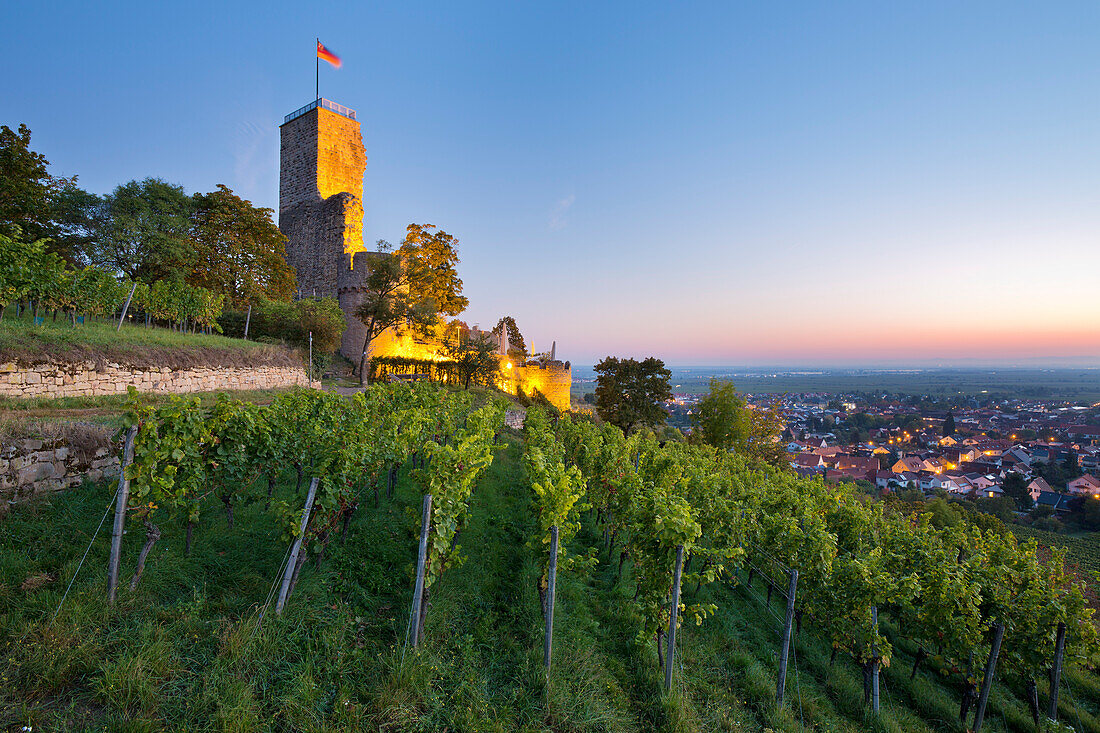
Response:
column 239, row 252
column 410, row 288
column 949, row 425
column 79, row 218
column 631, row 393
column 27, row 189
column 517, row 347
column 430, row 259
column 720, row 418
column 476, row 360
column 387, row 302
column 1015, row 487
column 147, row 232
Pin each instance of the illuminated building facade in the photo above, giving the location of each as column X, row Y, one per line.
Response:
column 322, row 162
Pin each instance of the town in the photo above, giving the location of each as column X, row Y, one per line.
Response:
column 1043, row 455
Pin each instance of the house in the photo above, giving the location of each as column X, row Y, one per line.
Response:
column 961, row 454
column 1084, row 432
column 859, row 466
column 952, row 483
column 883, row 479
column 1088, row 485
column 807, row 460
column 989, row 492
column 1037, row 487
column 935, row 465
column 1054, row 500
column 806, row 471
column 1017, row 458
column 928, row 481
column 912, row 464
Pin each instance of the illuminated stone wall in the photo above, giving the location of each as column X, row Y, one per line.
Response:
column 321, row 213
column 553, row 379
column 322, row 162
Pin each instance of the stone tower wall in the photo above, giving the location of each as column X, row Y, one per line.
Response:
column 554, row 380
column 322, row 162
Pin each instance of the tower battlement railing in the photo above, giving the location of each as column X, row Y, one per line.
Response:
column 323, row 104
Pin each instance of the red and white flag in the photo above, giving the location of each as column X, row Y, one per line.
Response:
column 324, row 53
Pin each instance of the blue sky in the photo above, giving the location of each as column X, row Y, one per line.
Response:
column 802, row 183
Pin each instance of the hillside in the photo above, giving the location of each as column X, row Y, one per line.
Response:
column 184, row 652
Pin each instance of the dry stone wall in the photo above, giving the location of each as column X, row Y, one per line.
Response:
column 29, row 467
column 88, row 379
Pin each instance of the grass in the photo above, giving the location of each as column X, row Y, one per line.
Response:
column 184, row 653
column 22, row 341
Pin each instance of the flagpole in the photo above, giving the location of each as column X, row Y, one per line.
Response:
column 317, row 71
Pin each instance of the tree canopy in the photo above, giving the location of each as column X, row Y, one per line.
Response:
column 147, row 231
column 412, row 287
column 239, row 251
column 517, row 347
column 632, row 393
column 430, row 259
column 720, row 418
column 724, row 419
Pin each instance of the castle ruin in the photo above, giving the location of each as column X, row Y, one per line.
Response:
column 322, row 162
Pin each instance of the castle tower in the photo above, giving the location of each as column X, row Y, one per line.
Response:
column 322, row 162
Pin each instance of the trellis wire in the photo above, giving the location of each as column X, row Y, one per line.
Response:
column 81, row 563
column 270, row 593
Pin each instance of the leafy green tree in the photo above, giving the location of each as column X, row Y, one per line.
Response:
column 517, row 347
column 412, row 287
column 147, row 232
column 1015, row 487
column 724, row 420
column 387, row 303
column 27, row 190
column 949, row 425
column 79, row 217
column 430, row 259
column 632, row 393
column 720, row 418
column 239, row 252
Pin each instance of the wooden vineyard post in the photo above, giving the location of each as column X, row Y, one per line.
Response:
column 421, row 558
column 672, row 614
column 781, row 681
column 874, row 662
column 296, row 548
column 1056, row 670
column 120, row 516
column 125, row 308
column 551, row 583
column 987, row 680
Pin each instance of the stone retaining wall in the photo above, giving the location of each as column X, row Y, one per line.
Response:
column 29, row 467
column 88, row 379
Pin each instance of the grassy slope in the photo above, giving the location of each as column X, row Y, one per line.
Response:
column 23, row 342
column 181, row 653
